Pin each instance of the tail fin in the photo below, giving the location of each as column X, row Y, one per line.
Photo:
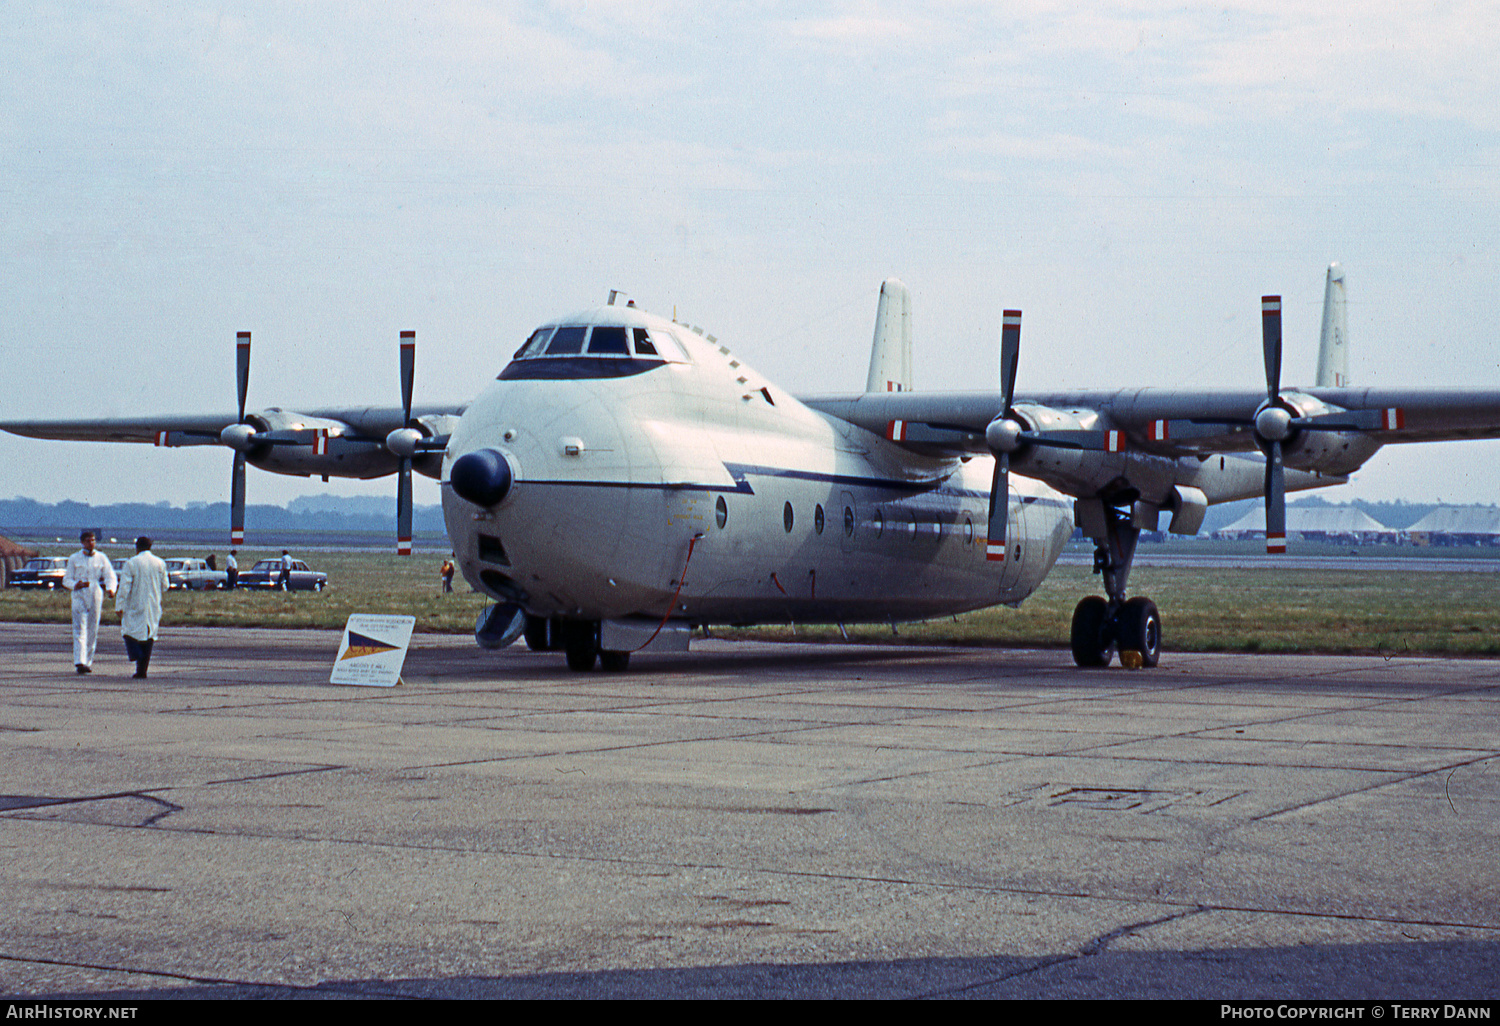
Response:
column 1333, row 349
column 890, row 353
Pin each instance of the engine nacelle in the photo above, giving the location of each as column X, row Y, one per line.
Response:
column 287, row 442
column 429, row 462
column 1330, row 452
column 1079, row 471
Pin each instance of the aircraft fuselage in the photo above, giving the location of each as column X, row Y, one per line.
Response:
column 678, row 479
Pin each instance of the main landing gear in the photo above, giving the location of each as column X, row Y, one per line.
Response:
column 579, row 639
column 1102, row 627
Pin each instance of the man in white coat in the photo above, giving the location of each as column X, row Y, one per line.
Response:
column 142, row 584
column 88, row 577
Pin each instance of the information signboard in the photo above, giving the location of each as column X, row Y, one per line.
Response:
column 373, row 650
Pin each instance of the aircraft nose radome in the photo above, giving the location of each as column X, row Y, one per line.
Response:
column 482, row 477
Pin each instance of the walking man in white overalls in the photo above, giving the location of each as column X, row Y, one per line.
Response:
column 89, row 576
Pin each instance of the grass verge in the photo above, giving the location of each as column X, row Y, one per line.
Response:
column 1221, row 610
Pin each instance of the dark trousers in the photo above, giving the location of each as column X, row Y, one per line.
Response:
column 140, row 651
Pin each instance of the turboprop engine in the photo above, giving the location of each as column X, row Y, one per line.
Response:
column 1041, row 442
column 1330, row 451
column 287, row 442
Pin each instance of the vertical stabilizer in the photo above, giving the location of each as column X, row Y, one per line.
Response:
column 890, row 353
column 1333, row 349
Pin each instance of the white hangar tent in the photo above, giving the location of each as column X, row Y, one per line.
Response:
column 1458, row 525
column 1322, row 523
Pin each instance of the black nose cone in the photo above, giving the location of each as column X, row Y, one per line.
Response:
column 482, row 477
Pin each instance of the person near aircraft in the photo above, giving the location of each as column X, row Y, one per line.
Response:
column 231, row 570
column 88, row 577
column 284, row 580
column 138, row 601
column 446, row 573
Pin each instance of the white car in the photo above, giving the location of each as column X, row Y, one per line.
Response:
column 194, row 575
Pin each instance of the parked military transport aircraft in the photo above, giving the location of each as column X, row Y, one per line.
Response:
column 626, row 479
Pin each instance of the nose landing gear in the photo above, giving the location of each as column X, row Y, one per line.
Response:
column 578, row 639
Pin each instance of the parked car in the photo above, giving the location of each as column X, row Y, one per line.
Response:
column 42, row 572
column 194, row 575
column 266, row 572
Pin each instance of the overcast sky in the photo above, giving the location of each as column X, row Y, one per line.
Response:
column 1134, row 176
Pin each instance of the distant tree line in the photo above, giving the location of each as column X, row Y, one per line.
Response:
column 26, row 516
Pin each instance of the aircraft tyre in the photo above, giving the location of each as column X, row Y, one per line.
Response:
column 580, row 640
column 1090, row 645
column 614, row 662
column 1139, row 630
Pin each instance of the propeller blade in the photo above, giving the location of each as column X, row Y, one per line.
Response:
column 237, row 501
column 1089, row 441
column 1010, row 356
column 403, row 479
column 237, row 475
column 1275, row 501
column 994, row 546
column 1270, row 332
column 1391, row 419
column 403, row 509
column 408, row 372
column 242, row 368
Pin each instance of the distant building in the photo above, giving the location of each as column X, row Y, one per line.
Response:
column 1458, row 525
column 1344, row 525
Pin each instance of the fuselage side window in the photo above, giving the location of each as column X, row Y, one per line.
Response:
column 567, row 339
column 608, row 341
column 535, row 345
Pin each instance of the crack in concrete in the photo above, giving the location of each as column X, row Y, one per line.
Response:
column 1097, row 946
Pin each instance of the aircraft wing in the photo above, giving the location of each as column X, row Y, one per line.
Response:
column 121, row 429
column 204, row 428
column 1426, row 415
column 1162, row 421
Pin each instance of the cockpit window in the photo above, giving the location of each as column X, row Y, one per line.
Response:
column 567, row 339
column 609, row 342
column 534, row 345
column 609, row 350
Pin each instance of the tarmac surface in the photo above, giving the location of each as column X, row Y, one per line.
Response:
column 748, row 820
